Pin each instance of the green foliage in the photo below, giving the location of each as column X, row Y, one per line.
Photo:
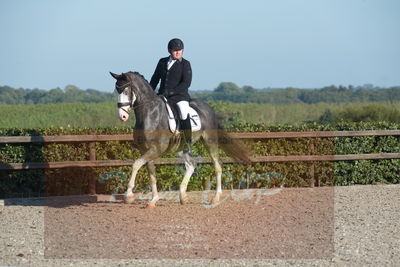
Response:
column 66, row 115
column 363, row 113
column 232, row 93
column 297, row 114
column 369, row 113
column 114, row 179
column 71, row 93
column 327, row 117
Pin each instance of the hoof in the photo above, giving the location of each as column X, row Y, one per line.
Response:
column 183, row 197
column 129, row 199
column 184, row 200
column 151, row 206
column 215, row 200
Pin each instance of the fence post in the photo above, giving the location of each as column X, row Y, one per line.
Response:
column 92, row 180
column 398, row 141
column 312, row 167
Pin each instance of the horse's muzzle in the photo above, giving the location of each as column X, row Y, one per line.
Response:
column 123, row 114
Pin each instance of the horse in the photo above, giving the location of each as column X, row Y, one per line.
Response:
column 152, row 137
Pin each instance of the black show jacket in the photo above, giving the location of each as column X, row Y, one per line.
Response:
column 175, row 82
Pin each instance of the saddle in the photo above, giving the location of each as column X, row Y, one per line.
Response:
column 174, row 121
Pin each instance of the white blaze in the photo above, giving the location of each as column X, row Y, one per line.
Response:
column 123, row 111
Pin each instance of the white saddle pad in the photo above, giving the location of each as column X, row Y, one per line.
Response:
column 194, row 119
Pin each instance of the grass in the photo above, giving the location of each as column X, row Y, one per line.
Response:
column 95, row 115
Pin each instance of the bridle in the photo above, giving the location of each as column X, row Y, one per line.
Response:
column 121, row 90
column 122, row 105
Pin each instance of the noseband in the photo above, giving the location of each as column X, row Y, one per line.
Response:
column 122, row 105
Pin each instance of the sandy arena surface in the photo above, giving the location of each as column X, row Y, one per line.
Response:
column 341, row 226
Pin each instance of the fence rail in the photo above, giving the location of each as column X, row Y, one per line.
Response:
column 92, row 139
column 252, row 135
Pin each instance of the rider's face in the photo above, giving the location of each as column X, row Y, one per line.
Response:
column 176, row 54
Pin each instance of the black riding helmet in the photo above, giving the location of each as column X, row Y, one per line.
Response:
column 175, row 44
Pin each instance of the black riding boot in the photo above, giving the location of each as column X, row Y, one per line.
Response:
column 187, row 134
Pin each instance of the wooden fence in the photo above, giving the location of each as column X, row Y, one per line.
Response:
column 92, row 139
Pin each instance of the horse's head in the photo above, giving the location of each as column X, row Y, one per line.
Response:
column 126, row 94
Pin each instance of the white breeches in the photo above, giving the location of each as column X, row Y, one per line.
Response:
column 183, row 109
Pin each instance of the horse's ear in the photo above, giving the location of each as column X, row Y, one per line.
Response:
column 116, row 76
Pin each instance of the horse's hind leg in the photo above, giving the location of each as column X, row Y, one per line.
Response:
column 152, row 174
column 218, row 172
column 212, row 148
column 189, row 165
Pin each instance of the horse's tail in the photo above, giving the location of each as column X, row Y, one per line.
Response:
column 233, row 146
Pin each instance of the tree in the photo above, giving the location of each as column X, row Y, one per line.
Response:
column 249, row 89
column 73, row 94
column 55, row 95
column 228, row 88
column 35, row 96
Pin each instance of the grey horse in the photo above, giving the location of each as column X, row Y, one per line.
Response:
column 152, row 137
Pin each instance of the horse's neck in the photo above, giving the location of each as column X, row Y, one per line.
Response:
column 145, row 91
column 144, row 113
column 146, row 101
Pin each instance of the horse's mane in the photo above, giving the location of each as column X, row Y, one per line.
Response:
column 137, row 74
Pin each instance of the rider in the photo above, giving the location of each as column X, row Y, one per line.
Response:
column 175, row 74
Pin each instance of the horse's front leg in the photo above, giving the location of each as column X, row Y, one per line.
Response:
column 129, row 197
column 152, row 175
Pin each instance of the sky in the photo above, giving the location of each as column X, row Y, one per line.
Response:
column 261, row 43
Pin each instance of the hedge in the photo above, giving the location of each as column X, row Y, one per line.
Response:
column 114, row 179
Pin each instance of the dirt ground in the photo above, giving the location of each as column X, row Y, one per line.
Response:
column 292, row 227
column 255, row 224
